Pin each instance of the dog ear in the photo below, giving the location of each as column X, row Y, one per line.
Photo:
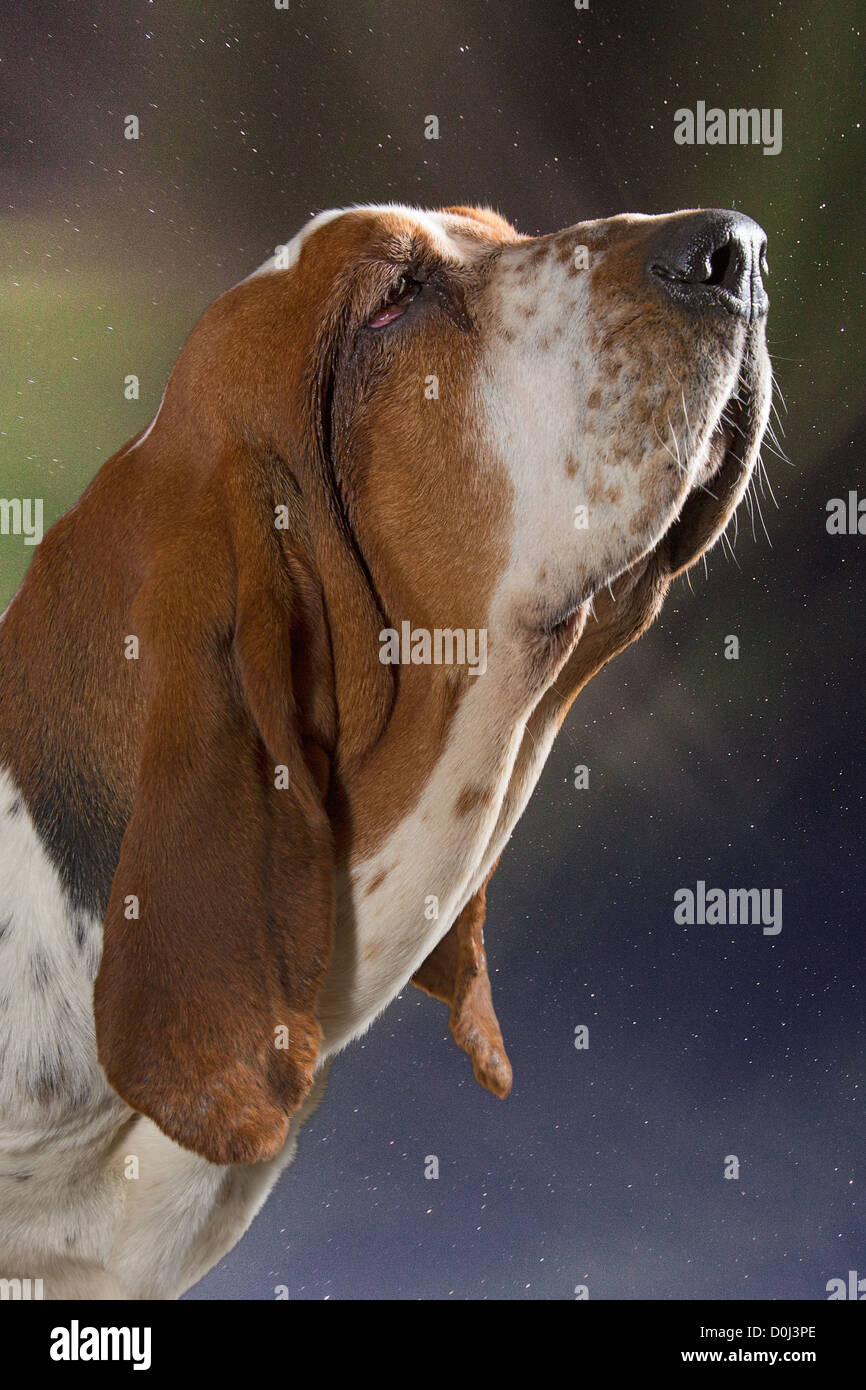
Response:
column 220, row 920
column 456, row 972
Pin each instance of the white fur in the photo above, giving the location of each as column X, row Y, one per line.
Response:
column 142, row 437
column 433, row 223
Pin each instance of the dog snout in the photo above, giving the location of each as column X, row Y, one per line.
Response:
column 713, row 259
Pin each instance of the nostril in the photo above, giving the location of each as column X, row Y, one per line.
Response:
column 720, row 261
column 712, row 259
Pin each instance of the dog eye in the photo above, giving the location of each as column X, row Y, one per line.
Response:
column 396, row 301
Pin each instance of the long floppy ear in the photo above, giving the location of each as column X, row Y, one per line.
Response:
column 456, row 972
column 220, row 919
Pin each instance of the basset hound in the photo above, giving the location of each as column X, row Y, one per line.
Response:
column 277, row 688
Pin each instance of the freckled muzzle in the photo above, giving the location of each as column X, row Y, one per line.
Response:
column 627, row 388
column 705, row 320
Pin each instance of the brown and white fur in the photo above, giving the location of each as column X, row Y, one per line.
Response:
column 185, row 944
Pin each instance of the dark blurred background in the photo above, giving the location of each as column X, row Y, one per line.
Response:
column 605, row 1167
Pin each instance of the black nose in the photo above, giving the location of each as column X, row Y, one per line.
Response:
column 713, row 258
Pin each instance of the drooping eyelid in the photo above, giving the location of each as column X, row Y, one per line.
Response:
column 416, row 263
column 412, row 264
column 414, row 257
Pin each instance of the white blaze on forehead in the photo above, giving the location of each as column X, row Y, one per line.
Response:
column 291, row 250
column 433, row 223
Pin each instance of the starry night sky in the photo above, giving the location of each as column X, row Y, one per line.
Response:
column 605, row 1167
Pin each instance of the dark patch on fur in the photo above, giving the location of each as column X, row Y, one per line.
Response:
column 5, row 926
column 40, row 971
column 376, row 883
column 15, row 809
column 48, row 1084
column 82, row 832
column 472, row 799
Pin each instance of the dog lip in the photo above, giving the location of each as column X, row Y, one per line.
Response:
column 557, row 622
column 728, row 429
